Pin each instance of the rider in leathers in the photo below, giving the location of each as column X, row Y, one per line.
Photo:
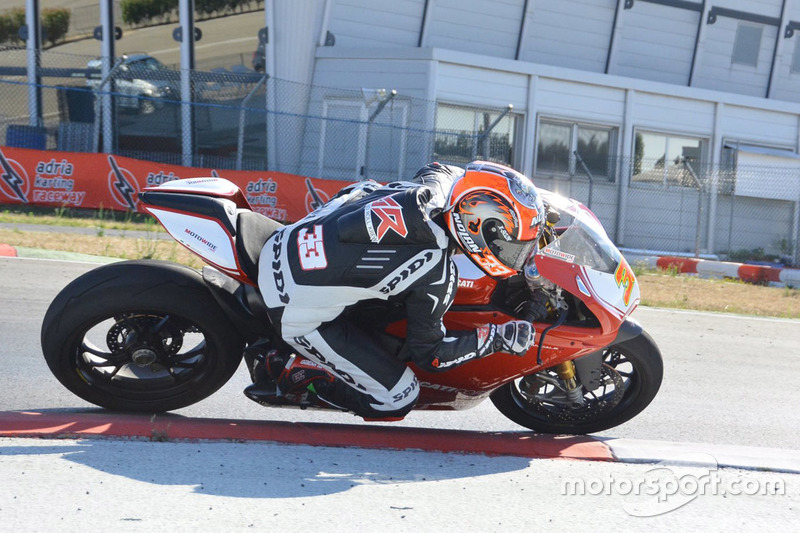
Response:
column 369, row 244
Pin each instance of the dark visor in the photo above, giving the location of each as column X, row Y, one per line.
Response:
column 512, row 254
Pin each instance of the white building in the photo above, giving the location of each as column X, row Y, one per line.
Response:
column 644, row 88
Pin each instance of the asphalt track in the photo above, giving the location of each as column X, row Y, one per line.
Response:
column 66, row 468
column 81, row 424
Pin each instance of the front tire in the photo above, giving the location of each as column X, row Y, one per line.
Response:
column 632, row 369
column 142, row 336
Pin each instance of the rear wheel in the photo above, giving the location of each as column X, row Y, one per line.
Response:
column 140, row 336
column 631, row 376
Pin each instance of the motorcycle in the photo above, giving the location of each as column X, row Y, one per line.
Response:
column 153, row 336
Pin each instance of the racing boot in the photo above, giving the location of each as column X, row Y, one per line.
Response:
column 286, row 379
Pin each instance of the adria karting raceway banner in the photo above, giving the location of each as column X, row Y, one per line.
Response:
column 92, row 181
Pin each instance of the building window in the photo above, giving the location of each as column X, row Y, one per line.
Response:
column 796, row 57
column 747, row 45
column 575, row 148
column 667, row 160
column 465, row 134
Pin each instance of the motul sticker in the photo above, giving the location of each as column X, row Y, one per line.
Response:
column 311, row 249
column 390, row 216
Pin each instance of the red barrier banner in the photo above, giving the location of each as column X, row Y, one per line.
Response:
column 94, row 181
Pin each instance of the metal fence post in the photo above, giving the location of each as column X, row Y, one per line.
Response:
column 105, row 101
column 381, row 104
column 588, row 175
column 33, row 45
column 240, row 139
column 700, row 188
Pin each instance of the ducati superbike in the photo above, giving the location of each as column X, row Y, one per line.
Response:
column 153, row 336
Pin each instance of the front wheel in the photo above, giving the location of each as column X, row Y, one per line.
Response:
column 631, row 376
column 141, row 336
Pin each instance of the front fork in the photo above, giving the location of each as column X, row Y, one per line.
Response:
column 566, row 373
column 567, row 383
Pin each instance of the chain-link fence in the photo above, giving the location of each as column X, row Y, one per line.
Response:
column 739, row 212
column 241, row 119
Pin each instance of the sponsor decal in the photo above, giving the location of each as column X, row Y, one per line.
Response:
column 449, row 295
column 625, row 279
column 122, row 184
column 446, row 388
column 277, row 271
column 465, row 284
column 158, row 178
column 262, row 196
column 408, row 390
column 415, row 265
column 315, row 198
column 13, row 179
column 323, row 361
column 558, row 254
column 202, row 240
column 311, row 249
column 390, row 216
column 486, row 335
column 53, row 183
column 463, row 234
column 492, row 265
column 436, row 363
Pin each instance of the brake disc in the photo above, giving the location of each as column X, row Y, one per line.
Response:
column 554, row 404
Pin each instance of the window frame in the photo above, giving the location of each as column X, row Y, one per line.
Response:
column 516, row 131
column 794, row 68
column 740, row 46
column 705, row 147
column 572, row 165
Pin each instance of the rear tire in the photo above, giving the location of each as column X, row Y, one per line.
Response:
column 143, row 336
column 642, row 375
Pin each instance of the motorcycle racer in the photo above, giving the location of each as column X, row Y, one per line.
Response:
column 391, row 245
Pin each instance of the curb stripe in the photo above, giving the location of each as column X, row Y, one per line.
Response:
column 7, row 251
column 169, row 427
column 724, row 269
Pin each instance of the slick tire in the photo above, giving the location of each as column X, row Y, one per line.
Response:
column 159, row 341
column 644, row 372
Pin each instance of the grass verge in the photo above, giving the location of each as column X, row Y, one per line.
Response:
column 658, row 289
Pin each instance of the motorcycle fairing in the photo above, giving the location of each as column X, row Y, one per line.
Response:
column 207, row 186
column 205, row 225
column 585, row 262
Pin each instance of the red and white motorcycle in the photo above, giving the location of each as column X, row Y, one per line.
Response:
column 154, row 336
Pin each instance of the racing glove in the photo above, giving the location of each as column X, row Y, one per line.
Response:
column 514, row 337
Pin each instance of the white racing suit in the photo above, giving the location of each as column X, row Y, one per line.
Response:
column 371, row 247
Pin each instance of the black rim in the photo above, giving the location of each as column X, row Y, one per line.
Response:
column 620, row 386
column 142, row 355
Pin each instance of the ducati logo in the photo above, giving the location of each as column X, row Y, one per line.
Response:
column 390, row 216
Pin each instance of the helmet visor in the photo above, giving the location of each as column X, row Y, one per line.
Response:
column 513, row 253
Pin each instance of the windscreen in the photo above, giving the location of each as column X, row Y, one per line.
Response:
column 582, row 239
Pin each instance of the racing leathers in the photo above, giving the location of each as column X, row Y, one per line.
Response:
column 374, row 247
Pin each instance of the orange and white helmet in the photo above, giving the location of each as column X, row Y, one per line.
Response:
column 495, row 215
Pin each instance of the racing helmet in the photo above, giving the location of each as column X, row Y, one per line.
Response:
column 495, row 216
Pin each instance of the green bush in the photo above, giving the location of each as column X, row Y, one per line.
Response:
column 206, row 7
column 55, row 22
column 135, row 12
column 10, row 23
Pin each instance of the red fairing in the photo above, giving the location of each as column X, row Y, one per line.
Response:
column 475, row 291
